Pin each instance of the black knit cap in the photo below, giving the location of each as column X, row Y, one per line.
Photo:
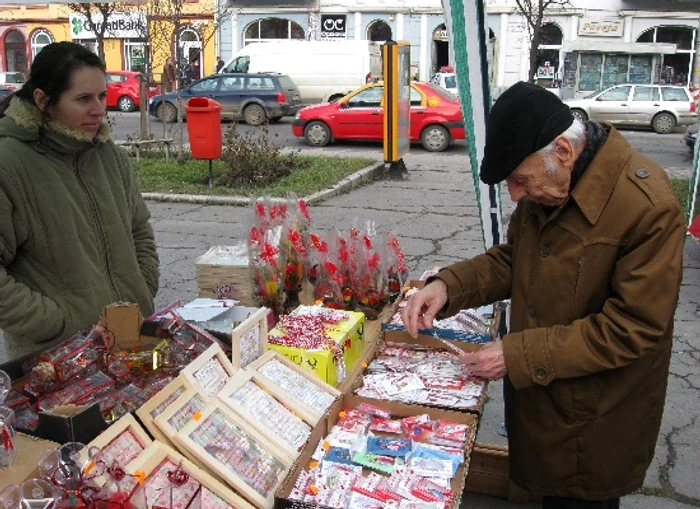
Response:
column 524, row 119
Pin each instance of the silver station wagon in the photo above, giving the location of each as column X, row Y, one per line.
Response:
column 662, row 107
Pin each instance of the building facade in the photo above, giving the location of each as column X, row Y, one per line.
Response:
column 592, row 44
column 132, row 35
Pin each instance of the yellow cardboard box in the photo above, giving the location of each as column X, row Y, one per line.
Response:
column 349, row 334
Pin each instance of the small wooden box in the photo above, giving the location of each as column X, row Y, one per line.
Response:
column 269, row 409
column 223, row 272
column 313, row 397
column 159, row 403
column 123, row 442
column 210, row 371
column 158, row 459
column 238, row 453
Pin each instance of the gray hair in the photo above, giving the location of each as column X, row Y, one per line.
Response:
column 576, row 133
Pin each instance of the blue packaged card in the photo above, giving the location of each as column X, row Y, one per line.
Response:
column 339, row 455
column 395, row 447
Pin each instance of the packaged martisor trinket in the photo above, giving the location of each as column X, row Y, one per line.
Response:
column 8, row 441
column 5, row 386
column 77, row 391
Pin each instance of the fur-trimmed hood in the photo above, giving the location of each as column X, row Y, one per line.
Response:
column 25, row 122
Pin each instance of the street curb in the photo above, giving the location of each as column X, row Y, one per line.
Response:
column 357, row 179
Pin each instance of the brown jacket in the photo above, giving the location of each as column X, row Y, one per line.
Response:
column 594, row 288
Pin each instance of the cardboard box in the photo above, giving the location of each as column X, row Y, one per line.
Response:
column 71, row 423
column 30, row 450
column 427, row 341
column 469, row 337
column 397, row 410
column 349, row 334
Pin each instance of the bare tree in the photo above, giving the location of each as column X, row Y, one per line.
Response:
column 97, row 19
column 166, row 20
column 535, row 13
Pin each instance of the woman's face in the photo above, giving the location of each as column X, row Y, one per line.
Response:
column 83, row 105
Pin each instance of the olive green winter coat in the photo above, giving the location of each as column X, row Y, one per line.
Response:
column 594, row 287
column 74, row 230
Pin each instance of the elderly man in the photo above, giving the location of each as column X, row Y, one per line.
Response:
column 593, row 265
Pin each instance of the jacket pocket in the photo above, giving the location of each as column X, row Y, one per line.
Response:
column 577, row 399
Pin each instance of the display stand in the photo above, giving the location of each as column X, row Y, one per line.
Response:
column 272, row 412
column 238, row 453
column 210, row 371
column 314, row 397
column 158, row 403
column 249, row 339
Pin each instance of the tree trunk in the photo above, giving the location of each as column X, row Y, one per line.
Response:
column 143, row 107
column 534, row 46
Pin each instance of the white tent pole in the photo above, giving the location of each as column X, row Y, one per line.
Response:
column 466, row 26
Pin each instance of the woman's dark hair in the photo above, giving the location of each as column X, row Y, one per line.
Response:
column 51, row 72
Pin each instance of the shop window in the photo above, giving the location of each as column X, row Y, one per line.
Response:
column 675, row 69
column 15, row 52
column 379, row 31
column 551, row 35
column 640, row 69
column 548, row 55
column 590, row 71
column 40, row 39
column 615, row 70
column 272, row 29
column 135, row 55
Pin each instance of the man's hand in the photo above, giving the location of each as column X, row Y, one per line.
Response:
column 488, row 362
column 423, row 306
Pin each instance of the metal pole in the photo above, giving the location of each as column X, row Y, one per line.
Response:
column 211, row 174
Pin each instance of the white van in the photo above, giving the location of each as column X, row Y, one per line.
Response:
column 323, row 70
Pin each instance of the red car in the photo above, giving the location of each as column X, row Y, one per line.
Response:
column 436, row 117
column 123, row 90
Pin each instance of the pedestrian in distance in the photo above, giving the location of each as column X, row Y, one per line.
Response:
column 75, row 234
column 219, row 64
column 592, row 264
column 169, row 76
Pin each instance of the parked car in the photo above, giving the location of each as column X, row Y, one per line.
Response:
column 5, row 91
column 691, row 134
column 436, row 117
column 662, row 107
column 123, row 90
column 253, row 97
column 445, row 79
column 12, row 80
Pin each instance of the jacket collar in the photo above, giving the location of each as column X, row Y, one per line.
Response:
column 596, row 185
column 55, row 134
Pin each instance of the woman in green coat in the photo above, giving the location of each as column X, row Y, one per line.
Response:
column 74, row 230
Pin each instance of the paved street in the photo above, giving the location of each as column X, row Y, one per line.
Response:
column 667, row 150
column 435, row 215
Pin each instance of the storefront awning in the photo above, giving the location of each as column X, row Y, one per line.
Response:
column 633, row 48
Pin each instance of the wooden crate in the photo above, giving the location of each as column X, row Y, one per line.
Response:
column 222, row 272
column 488, row 474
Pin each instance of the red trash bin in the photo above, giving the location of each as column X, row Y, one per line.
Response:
column 204, row 127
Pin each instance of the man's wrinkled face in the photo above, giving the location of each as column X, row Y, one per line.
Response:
column 543, row 179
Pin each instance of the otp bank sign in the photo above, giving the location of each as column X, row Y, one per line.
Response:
column 333, row 26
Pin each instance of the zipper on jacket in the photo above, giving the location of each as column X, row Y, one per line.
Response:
column 98, row 229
